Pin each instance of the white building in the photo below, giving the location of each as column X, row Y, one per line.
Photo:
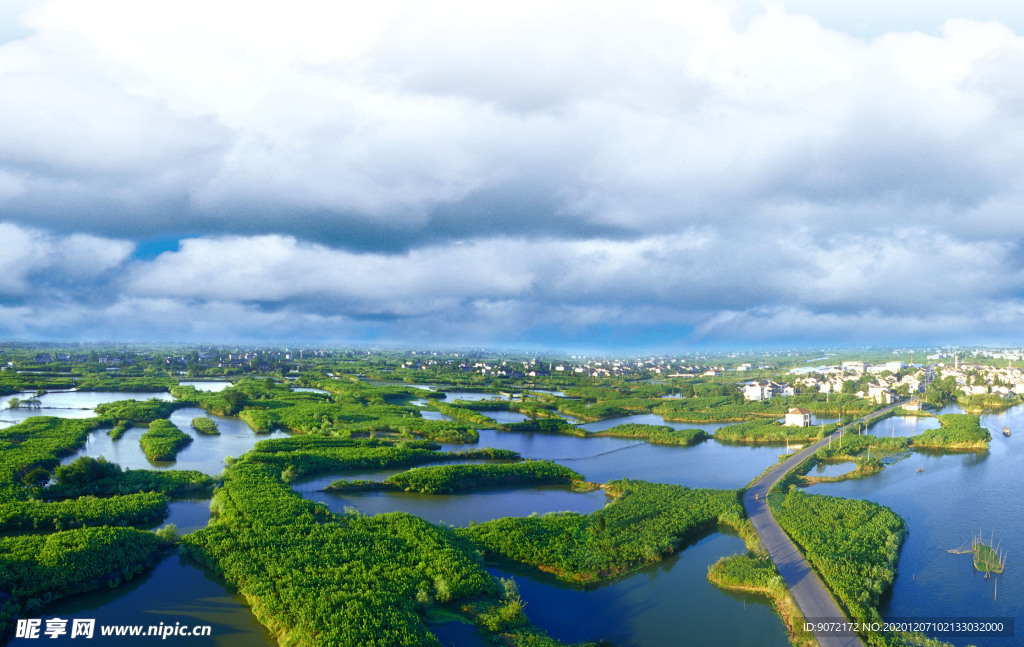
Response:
column 798, row 417
column 880, row 394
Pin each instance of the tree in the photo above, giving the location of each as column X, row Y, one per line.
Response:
column 14, row 403
column 849, row 386
column 37, row 477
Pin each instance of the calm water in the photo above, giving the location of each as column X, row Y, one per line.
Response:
column 459, row 634
column 461, row 509
column 176, row 590
column 905, row 426
column 951, row 498
column 204, row 453
column 505, row 417
column 670, row 603
column 646, row 419
column 434, row 415
column 707, row 464
column 187, row 514
column 68, row 404
column 470, row 396
column 320, row 481
column 832, row 469
column 213, row 386
column 306, row 389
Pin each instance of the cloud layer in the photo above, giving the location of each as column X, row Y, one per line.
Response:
column 660, row 173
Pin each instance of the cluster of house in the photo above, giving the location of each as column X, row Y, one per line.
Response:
column 240, row 359
column 887, row 379
column 50, row 358
column 758, row 390
column 587, row 368
column 975, row 379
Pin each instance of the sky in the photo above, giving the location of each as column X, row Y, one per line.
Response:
column 588, row 175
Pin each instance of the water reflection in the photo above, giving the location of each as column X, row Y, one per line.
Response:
column 669, row 603
column 176, row 590
column 461, row 509
column 204, row 453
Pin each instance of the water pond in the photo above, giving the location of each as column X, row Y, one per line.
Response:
column 68, row 404
column 461, row 509
column 204, row 453
column 212, row 386
column 646, row 419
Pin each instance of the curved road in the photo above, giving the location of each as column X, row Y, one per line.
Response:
column 808, row 591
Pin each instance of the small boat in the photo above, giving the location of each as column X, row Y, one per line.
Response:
column 1006, row 431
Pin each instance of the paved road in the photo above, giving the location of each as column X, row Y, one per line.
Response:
column 808, row 591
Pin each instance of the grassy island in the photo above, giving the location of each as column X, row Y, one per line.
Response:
column 141, row 411
column 958, row 431
column 119, row 429
column 352, row 579
column 655, row 434
column 446, row 479
column 163, row 441
column 88, row 476
column 770, row 431
column 205, row 426
column 645, row 522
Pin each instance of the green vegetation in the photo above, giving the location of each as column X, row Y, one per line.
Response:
column 125, row 384
column 89, row 476
column 546, row 426
column 957, row 431
column 986, row 559
column 205, row 426
column 747, row 573
column 655, row 434
column 126, row 510
column 756, row 574
column 645, row 522
column 769, row 431
column 136, row 411
column 350, row 579
column 732, row 408
column 460, row 413
column 852, row 544
column 37, row 569
column 163, row 441
column 446, row 479
column 853, row 446
column 119, row 429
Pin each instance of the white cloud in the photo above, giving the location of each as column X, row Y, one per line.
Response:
column 32, row 259
column 534, row 164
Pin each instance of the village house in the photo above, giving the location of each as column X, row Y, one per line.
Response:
column 798, row 417
column 760, row 390
column 880, row 394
